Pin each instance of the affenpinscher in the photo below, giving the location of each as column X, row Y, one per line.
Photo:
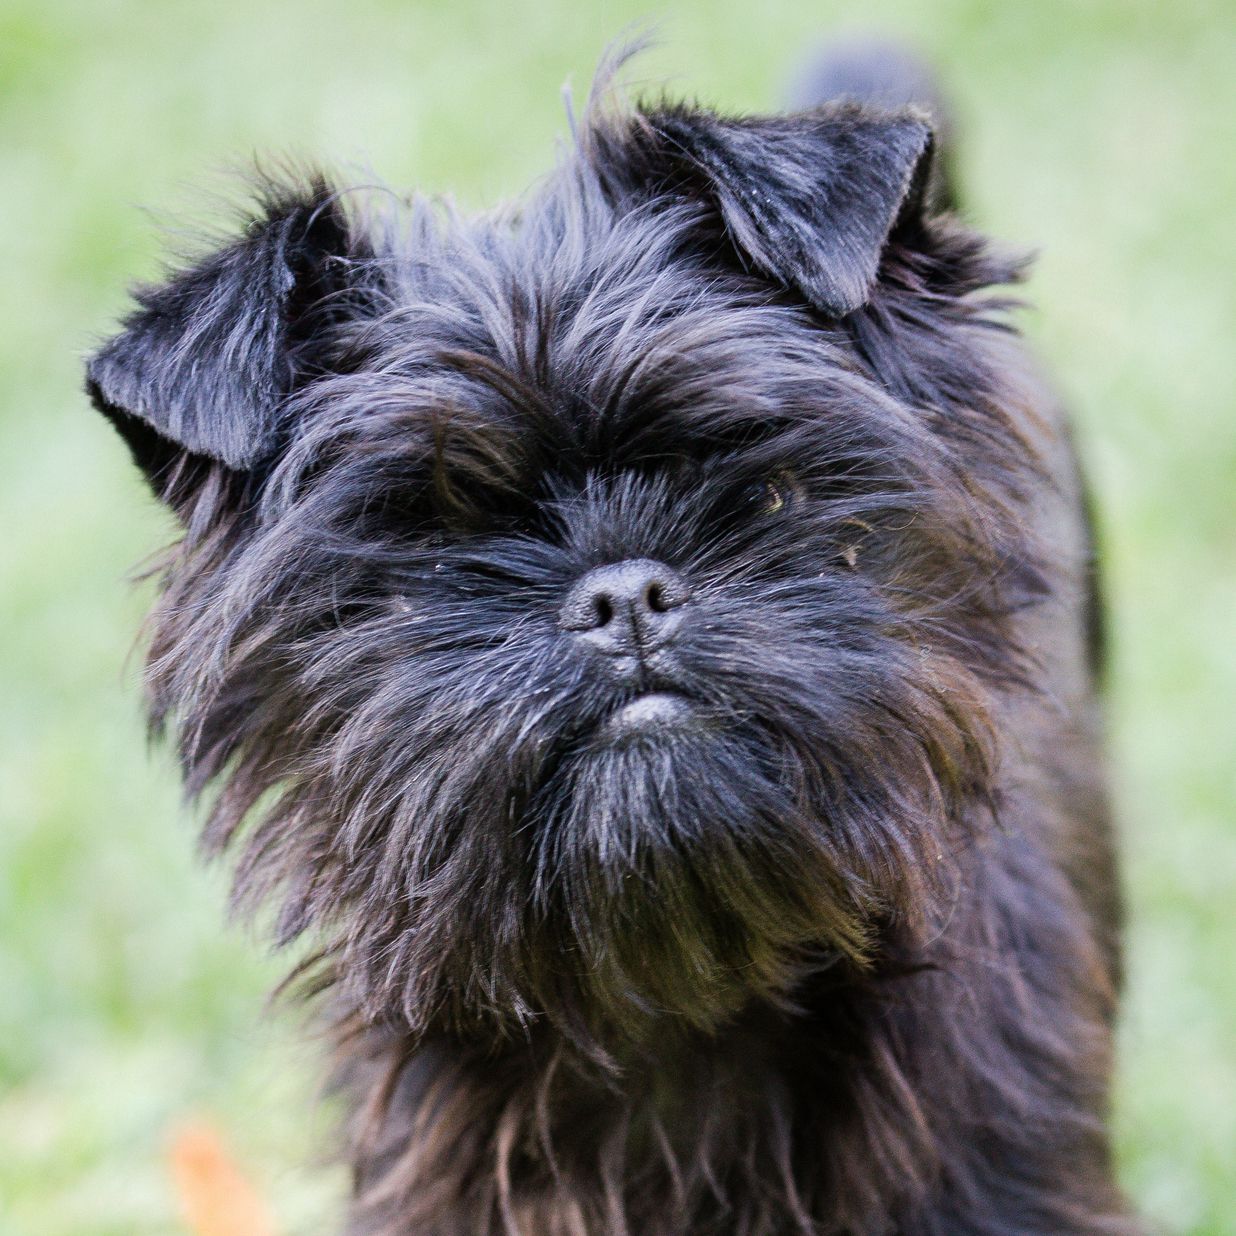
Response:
column 646, row 638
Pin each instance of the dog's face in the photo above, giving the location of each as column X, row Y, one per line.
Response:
column 589, row 614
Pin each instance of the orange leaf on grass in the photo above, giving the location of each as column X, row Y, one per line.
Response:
column 216, row 1197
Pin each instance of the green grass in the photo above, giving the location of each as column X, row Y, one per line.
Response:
column 1100, row 132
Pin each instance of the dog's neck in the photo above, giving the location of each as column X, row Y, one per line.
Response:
column 465, row 1137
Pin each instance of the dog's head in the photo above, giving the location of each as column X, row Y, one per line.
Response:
column 589, row 612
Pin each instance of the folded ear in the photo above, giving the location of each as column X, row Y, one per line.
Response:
column 808, row 199
column 204, row 364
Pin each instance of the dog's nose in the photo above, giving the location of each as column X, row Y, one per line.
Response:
column 626, row 608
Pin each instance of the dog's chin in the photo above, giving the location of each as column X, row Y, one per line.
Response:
column 686, row 881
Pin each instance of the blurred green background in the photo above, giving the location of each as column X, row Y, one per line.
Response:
column 1101, row 132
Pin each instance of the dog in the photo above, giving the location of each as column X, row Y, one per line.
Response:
column 646, row 637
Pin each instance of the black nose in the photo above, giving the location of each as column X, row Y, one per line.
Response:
column 626, row 608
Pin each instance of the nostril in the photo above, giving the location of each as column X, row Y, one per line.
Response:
column 654, row 598
column 603, row 609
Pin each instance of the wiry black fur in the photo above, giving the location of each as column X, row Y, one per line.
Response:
column 838, row 956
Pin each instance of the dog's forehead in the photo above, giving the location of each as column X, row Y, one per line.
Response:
column 565, row 250
column 593, row 312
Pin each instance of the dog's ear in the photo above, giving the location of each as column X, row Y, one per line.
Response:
column 809, row 199
column 201, row 369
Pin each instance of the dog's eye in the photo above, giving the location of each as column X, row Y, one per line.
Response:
column 775, row 494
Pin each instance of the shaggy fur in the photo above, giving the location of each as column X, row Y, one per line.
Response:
column 826, row 943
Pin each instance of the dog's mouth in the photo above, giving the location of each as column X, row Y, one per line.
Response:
column 652, row 714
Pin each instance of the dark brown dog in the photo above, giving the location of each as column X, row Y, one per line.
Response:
column 646, row 637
